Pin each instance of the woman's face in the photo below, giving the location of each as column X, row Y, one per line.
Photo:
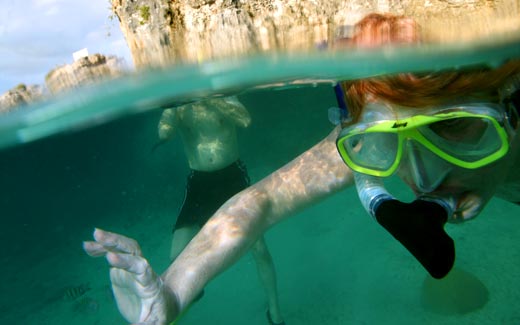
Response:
column 470, row 189
column 461, row 134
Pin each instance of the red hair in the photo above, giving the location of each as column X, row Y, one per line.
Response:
column 417, row 90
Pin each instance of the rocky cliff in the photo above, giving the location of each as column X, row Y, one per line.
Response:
column 160, row 32
column 19, row 96
column 86, row 70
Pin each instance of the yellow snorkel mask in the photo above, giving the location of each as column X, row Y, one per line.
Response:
column 468, row 136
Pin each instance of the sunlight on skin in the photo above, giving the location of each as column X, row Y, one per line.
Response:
column 312, row 176
column 211, row 150
column 207, row 130
column 245, row 217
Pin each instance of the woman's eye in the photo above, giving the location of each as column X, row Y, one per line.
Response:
column 460, row 129
column 455, row 123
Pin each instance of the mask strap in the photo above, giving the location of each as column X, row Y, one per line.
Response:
column 510, row 98
column 340, row 114
column 342, row 104
column 514, row 101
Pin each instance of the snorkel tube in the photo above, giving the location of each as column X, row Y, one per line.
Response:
column 338, row 114
column 418, row 226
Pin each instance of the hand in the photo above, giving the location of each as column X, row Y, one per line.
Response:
column 157, row 145
column 140, row 293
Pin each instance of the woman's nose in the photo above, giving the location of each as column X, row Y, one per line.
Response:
column 426, row 168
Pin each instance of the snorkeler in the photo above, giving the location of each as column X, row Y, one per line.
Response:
column 449, row 135
column 208, row 133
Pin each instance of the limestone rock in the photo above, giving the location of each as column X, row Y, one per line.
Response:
column 161, row 32
column 19, row 96
column 87, row 70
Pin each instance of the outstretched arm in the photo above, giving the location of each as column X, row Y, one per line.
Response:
column 144, row 297
column 312, row 176
column 232, row 109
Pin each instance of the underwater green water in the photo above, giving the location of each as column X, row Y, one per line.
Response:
column 334, row 264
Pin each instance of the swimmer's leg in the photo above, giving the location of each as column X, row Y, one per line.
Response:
column 267, row 274
column 181, row 238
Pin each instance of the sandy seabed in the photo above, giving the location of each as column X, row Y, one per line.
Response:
column 333, row 268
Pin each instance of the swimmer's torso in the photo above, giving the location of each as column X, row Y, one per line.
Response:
column 209, row 136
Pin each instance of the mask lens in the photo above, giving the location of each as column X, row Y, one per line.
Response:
column 376, row 151
column 466, row 138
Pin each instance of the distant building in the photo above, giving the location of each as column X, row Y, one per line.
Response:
column 80, row 54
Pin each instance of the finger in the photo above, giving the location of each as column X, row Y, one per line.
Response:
column 94, row 249
column 130, row 263
column 117, row 243
column 136, row 265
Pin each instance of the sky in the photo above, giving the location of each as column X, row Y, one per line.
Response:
column 37, row 36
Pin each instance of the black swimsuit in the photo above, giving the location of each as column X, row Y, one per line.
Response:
column 207, row 191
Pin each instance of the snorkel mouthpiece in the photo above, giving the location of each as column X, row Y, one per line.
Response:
column 418, row 226
column 371, row 192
